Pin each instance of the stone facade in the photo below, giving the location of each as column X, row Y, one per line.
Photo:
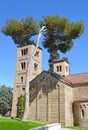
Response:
column 57, row 104
column 23, row 54
column 81, row 113
column 52, row 101
column 58, row 97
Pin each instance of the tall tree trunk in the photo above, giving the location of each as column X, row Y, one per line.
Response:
column 53, row 56
column 26, row 111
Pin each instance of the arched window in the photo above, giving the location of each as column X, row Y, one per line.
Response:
column 21, row 78
column 35, row 66
column 57, row 68
column 37, row 53
column 82, row 113
column 23, row 65
column 60, row 68
column 24, row 51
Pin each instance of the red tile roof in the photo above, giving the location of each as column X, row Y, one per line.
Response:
column 78, row 78
column 61, row 60
column 82, row 98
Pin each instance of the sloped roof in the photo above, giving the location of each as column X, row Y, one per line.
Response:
column 78, row 78
column 61, row 60
column 82, row 98
column 46, row 74
column 72, row 80
column 52, row 76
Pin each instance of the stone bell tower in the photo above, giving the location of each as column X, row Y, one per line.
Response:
column 23, row 54
column 61, row 67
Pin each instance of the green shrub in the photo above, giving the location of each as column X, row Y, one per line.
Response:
column 20, row 106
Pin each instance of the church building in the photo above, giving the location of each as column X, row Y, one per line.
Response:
column 58, row 97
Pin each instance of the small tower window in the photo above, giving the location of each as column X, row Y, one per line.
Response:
column 60, row 68
column 21, row 78
column 24, row 51
column 23, row 65
column 37, row 53
column 82, row 113
column 57, row 68
column 23, row 87
column 35, row 66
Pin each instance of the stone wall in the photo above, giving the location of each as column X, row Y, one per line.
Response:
column 80, row 91
column 66, row 101
column 81, row 105
column 54, row 106
column 68, row 106
column 45, row 104
column 81, row 113
column 62, row 104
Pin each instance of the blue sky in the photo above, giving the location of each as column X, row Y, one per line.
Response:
column 74, row 10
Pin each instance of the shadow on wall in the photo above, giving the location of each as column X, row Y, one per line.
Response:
column 45, row 83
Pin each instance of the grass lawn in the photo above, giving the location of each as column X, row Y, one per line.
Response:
column 12, row 124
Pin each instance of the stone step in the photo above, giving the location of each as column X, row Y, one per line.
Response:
column 55, row 126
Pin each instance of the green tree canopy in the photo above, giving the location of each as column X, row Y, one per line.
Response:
column 60, row 35
column 22, row 30
column 5, row 99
